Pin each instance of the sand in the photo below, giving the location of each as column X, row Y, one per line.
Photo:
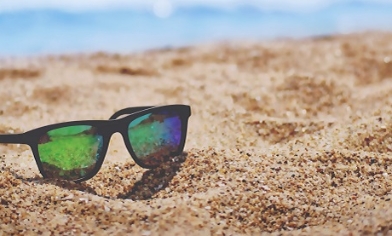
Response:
column 290, row 137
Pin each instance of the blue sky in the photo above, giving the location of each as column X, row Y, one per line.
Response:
column 77, row 5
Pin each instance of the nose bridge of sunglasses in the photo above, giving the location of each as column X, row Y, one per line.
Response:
column 113, row 129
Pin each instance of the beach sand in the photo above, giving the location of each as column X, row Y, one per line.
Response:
column 289, row 137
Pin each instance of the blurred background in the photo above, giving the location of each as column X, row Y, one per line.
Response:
column 31, row 27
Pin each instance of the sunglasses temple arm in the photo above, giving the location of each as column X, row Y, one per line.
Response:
column 12, row 138
column 127, row 111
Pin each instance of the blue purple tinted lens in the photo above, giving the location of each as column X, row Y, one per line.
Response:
column 155, row 137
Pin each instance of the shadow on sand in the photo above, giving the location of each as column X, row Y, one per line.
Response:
column 152, row 181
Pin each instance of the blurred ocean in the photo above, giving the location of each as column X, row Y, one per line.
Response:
column 47, row 28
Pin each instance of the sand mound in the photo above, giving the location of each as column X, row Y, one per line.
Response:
column 291, row 137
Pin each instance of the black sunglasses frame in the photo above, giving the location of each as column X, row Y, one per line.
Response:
column 106, row 128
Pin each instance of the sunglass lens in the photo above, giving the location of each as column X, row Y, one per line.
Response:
column 70, row 153
column 155, row 136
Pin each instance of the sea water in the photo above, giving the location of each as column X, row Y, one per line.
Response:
column 46, row 28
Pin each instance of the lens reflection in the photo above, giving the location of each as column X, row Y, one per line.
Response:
column 70, row 152
column 155, row 136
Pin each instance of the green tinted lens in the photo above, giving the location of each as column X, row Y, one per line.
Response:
column 70, row 152
column 155, row 136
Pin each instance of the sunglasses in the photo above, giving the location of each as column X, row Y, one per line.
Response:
column 75, row 150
